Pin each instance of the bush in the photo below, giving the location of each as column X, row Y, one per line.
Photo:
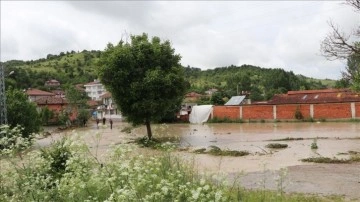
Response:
column 12, row 141
column 276, row 146
column 298, row 115
column 314, row 144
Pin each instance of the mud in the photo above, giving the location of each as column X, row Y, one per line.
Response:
column 264, row 166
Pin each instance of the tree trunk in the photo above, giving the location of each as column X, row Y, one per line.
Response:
column 148, row 128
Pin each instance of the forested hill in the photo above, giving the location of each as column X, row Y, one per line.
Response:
column 80, row 67
column 262, row 83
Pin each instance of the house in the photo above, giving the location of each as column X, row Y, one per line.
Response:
column 35, row 94
column 108, row 108
column 59, row 93
column 95, row 90
column 56, row 105
column 52, row 83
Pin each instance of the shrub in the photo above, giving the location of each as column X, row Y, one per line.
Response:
column 276, row 146
column 314, row 144
column 298, row 115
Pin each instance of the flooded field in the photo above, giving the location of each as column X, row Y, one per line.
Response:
column 263, row 166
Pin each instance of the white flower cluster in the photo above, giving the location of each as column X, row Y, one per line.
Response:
column 67, row 171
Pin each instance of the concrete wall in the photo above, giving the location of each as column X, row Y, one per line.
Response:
column 287, row 111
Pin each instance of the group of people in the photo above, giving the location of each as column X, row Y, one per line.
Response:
column 104, row 122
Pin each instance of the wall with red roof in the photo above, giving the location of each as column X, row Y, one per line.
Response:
column 287, row 111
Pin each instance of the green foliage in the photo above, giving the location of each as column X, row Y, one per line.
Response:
column 144, row 77
column 298, row 115
column 57, row 155
column 64, row 118
column 75, row 97
column 12, row 141
column 68, row 171
column 68, row 68
column 314, row 144
column 352, row 73
column 46, row 115
column 217, row 99
column 21, row 111
column 276, row 146
column 216, row 151
column 83, row 116
column 225, row 120
column 325, row 160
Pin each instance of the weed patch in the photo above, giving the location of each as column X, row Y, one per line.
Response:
column 168, row 143
column 276, row 146
column 287, row 139
column 216, row 151
column 353, row 158
column 225, row 120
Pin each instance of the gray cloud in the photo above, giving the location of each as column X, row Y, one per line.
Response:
column 207, row 34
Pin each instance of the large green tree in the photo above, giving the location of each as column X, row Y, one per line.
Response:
column 20, row 111
column 145, row 78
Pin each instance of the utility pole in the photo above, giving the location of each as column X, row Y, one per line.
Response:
column 3, row 112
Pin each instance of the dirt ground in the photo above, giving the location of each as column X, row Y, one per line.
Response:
column 263, row 168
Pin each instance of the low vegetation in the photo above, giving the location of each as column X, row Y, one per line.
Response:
column 69, row 170
column 287, row 139
column 276, row 146
column 314, row 144
column 225, row 120
column 216, row 151
column 354, row 157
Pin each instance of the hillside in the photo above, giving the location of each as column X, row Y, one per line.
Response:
column 80, row 67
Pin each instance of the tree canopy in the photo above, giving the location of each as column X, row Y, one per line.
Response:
column 144, row 77
column 339, row 45
column 21, row 111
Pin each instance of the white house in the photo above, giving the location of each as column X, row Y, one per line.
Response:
column 95, row 90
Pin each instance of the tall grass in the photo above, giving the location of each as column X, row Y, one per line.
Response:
column 69, row 171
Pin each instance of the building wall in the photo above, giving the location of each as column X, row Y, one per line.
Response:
column 231, row 112
column 257, row 112
column 357, row 110
column 287, row 111
column 332, row 111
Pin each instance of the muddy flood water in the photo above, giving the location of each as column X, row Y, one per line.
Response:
column 264, row 166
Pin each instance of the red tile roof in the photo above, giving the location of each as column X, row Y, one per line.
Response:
column 316, row 96
column 50, row 100
column 92, row 103
column 37, row 92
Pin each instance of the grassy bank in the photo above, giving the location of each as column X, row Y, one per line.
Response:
column 69, row 170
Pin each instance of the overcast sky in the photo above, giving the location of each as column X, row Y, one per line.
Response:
column 207, row 34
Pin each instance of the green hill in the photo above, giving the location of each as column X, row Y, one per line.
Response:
column 80, row 67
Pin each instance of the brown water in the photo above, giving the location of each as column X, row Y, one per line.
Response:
column 332, row 139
